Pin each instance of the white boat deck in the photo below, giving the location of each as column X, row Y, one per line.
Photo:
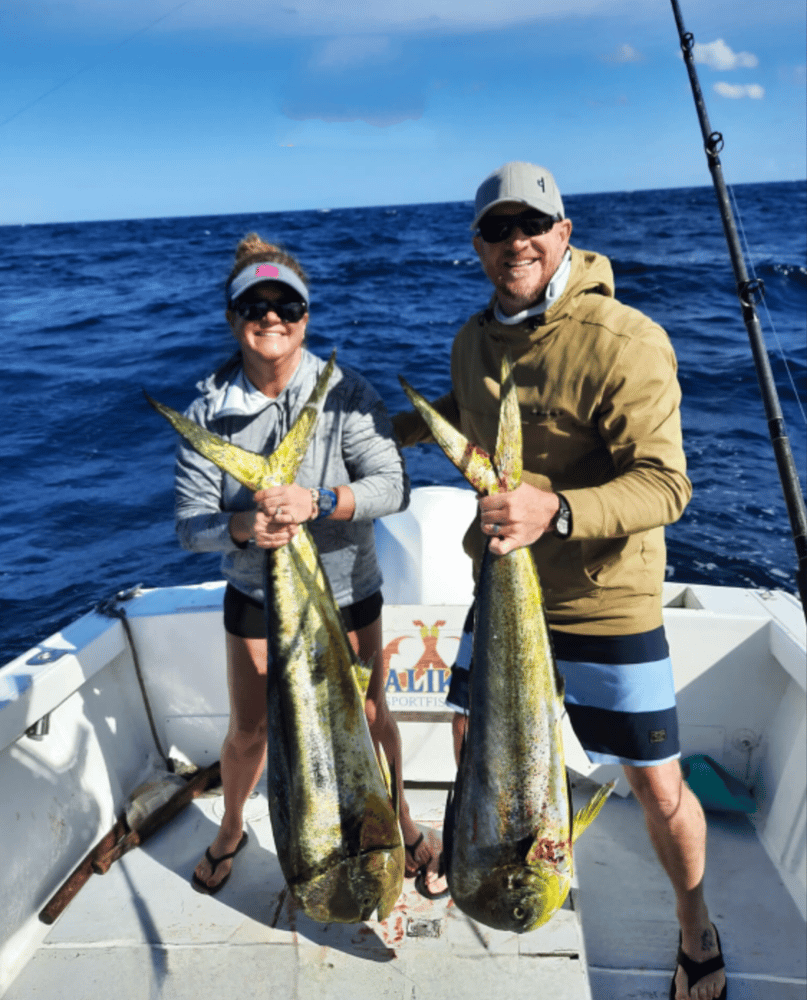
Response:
column 143, row 932
column 627, row 910
column 75, row 740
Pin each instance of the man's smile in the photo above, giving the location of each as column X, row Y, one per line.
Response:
column 518, row 264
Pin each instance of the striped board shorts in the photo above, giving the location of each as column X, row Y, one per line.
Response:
column 620, row 694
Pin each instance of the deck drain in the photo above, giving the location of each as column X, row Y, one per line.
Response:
column 424, row 928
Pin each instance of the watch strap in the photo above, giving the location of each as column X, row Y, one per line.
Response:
column 562, row 521
column 326, row 502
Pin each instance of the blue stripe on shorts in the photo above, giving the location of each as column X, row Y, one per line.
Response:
column 620, row 694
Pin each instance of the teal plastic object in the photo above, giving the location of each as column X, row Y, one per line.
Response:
column 715, row 787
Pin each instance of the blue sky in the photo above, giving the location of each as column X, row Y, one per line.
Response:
column 115, row 109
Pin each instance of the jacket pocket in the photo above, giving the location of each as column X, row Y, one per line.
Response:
column 633, row 564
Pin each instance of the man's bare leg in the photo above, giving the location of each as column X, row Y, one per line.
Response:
column 677, row 829
column 459, row 724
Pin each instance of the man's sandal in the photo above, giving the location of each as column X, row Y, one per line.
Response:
column 695, row 971
column 422, row 885
column 211, row 890
column 421, row 871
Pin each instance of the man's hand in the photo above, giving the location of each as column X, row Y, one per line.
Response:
column 518, row 518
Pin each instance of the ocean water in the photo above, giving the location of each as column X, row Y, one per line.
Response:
column 91, row 313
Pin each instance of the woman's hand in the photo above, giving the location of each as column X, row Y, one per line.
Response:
column 290, row 504
column 280, row 512
column 276, row 519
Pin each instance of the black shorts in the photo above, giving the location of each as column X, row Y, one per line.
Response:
column 243, row 616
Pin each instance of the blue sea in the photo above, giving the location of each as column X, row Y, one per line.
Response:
column 91, row 313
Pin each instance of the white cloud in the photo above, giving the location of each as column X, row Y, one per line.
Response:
column 341, row 112
column 624, row 54
column 719, row 56
column 739, row 90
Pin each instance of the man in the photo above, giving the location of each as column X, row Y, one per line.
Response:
column 604, row 471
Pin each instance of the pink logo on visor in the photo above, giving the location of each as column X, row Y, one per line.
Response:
column 267, row 271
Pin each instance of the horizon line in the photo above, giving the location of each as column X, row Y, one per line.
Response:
column 342, row 208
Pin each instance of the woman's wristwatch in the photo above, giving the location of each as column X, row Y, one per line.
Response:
column 323, row 503
column 562, row 521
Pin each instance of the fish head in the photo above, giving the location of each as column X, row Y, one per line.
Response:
column 355, row 888
column 516, row 898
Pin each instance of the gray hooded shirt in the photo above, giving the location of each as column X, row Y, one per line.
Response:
column 353, row 444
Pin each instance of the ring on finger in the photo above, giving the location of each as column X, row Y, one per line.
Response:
column 495, row 528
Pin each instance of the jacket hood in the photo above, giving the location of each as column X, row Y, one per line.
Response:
column 591, row 274
column 227, row 392
column 216, row 383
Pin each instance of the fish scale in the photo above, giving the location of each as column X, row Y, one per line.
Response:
column 508, row 828
column 334, row 821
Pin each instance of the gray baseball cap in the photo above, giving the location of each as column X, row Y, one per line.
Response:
column 516, row 181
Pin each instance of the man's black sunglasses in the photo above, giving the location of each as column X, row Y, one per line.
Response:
column 289, row 311
column 495, row 228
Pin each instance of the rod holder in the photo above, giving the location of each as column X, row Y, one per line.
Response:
column 40, row 729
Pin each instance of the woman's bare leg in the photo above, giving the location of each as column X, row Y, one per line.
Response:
column 367, row 644
column 243, row 753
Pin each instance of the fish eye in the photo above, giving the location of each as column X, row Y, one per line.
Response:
column 519, row 913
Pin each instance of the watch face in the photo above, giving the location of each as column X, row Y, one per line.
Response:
column 563, row 520
column 327, row 501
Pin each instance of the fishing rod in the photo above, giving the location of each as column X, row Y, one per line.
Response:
column 749, row 293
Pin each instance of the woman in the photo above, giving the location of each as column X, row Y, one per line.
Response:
column 352, row 473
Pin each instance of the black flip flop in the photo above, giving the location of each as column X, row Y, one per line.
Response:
column 695, row 971
column 422, row 886
column 211, row 890
column 410, row 850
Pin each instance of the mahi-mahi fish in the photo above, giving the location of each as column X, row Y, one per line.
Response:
column 334, row 811
column 508, row 830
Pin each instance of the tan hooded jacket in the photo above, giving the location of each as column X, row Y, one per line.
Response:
column 600, row 415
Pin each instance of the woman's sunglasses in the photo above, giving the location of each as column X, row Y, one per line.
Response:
column 289, row 311
column 495, row 228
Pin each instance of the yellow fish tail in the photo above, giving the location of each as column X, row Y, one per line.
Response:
column 585, row 816
column 254, row 471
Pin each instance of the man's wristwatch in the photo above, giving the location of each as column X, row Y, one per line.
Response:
column 562, row 521
column 324, row 502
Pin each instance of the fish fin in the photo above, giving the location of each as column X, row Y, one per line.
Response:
column 286, row 459
column 585, row 815
column 317, row 587
column 387, row 769
column 473, row 462
column 391, row 777
column 385, row 907
column 453, row 796
column 248, row 468
column 363, row 672
column 448, row 831
column 486, row 476
column 509, row 459
column 376, row 829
